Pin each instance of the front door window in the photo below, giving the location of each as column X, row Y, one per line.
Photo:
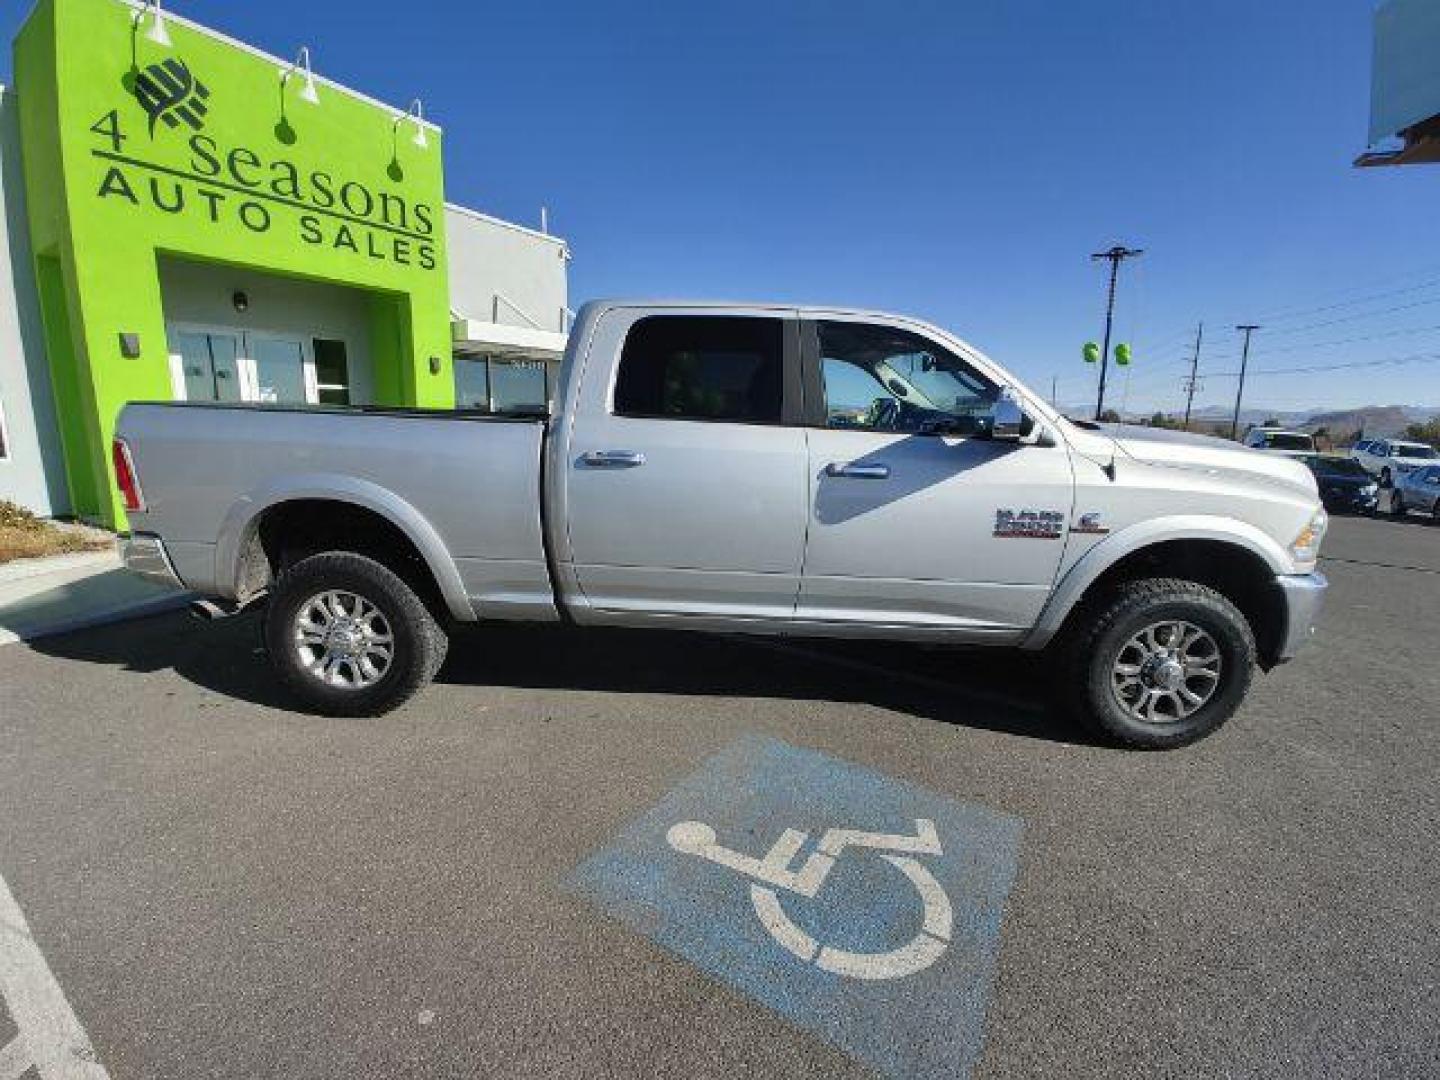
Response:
column 884, row 379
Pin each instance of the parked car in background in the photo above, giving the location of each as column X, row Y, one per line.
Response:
column 1417, row 491
column 1388, row 458
column 1280, row 441
column 1345, row 486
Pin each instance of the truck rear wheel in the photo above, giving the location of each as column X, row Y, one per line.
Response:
column 349, row 637
column 1160, row 663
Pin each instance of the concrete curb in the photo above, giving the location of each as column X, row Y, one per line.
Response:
column 21, row 569
column 61, row 594
column 158, row 605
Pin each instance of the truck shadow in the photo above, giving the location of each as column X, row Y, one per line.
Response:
column 988, row 689
column 985, row 689
column 919, row 463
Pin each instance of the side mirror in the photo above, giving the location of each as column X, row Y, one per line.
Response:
column 1007, row 419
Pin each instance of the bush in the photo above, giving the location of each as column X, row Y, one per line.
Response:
column 1428, row 432
column 17, row 517
column 25, row 536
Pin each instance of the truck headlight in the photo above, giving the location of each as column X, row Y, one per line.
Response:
column 1306, row 546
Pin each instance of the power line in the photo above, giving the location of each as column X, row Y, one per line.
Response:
column 1360, row 300
column 1184, row 358
column 1360, row 316
column 1302, row 346
column 1293, row 310
column 1315, row 369
column 1305, row 346
column 1166, row 342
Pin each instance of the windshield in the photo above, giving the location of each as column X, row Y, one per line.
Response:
column 1413, row 450
column 1280, row 440
column 1335, row 466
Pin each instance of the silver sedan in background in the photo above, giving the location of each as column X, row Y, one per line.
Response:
column 1417, row 491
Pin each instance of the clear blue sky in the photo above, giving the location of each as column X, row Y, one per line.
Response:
column 956, row 160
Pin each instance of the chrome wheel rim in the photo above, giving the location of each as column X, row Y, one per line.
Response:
column 342, row 640
column 1166, row 672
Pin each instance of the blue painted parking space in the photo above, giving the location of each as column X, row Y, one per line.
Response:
column 859, row 907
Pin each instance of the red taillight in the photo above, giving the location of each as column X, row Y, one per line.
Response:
column 125, row 476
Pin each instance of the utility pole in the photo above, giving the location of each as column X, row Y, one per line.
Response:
column 1246, row 329
column 1194, row 370
column 1054, row 403
column 1117, row 254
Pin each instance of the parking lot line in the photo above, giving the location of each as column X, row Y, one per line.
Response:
column 51, row 1038
column 1381, row 565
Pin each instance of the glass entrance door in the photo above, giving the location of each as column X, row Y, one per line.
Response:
column 210, row 365
column 218, row 364
column 280, row 370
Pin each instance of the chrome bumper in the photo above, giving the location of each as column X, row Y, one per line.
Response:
column 1304, row 597
column 145, row 555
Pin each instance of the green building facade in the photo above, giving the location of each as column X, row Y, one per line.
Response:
column 207, row 222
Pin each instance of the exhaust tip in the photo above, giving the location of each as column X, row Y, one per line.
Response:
column 207, row 610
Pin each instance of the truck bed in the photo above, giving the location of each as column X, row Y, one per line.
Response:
column 471, row 484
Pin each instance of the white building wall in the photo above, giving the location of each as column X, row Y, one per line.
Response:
column 497, row 267
column 32, row 472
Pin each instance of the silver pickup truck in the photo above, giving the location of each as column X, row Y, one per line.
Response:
column 742, row 468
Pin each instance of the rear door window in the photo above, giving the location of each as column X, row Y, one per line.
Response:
column 715, row 368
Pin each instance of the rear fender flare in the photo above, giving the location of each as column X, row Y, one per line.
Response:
column 244, row 517
column 1078, row 579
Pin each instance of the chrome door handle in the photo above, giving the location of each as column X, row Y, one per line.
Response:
column 858, row 472
column 613, row 459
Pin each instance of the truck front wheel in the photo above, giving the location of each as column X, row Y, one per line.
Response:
column 1159, row 663
column 349, row 637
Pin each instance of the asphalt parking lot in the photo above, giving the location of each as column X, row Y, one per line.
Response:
column 225, row 888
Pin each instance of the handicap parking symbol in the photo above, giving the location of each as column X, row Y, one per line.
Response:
column 861, row 908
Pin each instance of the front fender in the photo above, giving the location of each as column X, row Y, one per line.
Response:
column 244, row 515
column 1087, row 570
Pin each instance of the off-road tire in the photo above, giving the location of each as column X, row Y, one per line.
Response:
column 419, row 641
column 1091, row 646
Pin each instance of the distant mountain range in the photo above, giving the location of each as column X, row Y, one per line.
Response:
column 1377, row 421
